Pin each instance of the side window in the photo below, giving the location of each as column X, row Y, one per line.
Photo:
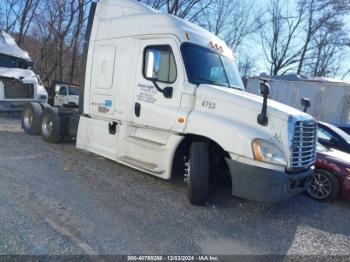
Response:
column 323, row 134
column 63, row 91
column 159, row 63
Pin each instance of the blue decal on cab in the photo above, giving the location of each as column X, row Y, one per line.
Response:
column 108, row 103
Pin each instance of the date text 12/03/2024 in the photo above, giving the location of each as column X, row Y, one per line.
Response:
column 174, row 258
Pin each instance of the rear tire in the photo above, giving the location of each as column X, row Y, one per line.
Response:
column 198, row 172
column 324, row 186
column 51, row 126
column 31, row 118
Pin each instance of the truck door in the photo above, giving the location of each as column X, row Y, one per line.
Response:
column 158, row 84
column 61, row 96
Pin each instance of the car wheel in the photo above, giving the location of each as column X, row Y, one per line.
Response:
column 31, row 118
column 324, row 186
column 50, row 126
column 197, row 171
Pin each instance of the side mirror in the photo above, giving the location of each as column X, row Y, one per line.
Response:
column 265, row 92
column 265, row 89
column 168, row 92
column 305, row 102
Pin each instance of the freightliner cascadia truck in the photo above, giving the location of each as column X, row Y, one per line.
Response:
column 164, row 96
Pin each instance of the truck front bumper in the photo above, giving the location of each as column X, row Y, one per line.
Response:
column 262, row 184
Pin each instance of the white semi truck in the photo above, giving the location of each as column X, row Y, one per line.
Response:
column 164, row 96
column 19, row 85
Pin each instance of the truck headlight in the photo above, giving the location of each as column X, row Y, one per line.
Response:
column 268, row 152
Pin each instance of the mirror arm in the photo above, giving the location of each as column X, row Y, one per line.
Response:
column 262, row 117
column 157, row 86
column 167, row 92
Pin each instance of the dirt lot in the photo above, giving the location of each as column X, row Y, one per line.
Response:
column 55, row 199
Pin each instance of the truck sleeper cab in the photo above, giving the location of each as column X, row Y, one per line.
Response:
column 164, row 96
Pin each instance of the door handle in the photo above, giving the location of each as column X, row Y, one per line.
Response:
column 112, row 128
column 137, row 109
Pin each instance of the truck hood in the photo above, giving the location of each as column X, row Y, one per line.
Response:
column 229, row 117
column 251, row 102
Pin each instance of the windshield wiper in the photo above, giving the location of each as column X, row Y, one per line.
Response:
column 236, row 87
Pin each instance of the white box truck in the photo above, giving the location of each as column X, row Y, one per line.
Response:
column 164, row 96
column 19, row 85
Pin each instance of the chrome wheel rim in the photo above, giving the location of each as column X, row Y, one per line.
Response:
column 28, row 118
column 47, row 125
column 320, row 187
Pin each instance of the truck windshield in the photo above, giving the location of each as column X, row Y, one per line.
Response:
column 14, row 62
column 204, row 66
column 73, row 91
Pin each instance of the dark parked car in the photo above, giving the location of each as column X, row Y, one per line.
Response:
column 344, row 127
column 331, row 136
column 332, row 175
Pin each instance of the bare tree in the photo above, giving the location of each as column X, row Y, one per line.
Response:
column 10, row 15
column 246, row 64
column 232, row 20
column 279, row 31
column 319, row 13
column 327, row 51
column 62, row 16
column 345, row 74
column 25, row 18
column 19, row 15
column 189, row 9
column 76, row 39
column 184, row 8
column 156, row 4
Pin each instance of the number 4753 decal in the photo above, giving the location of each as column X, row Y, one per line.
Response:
column 209, row 104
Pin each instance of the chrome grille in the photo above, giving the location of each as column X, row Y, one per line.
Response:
column 304, row 144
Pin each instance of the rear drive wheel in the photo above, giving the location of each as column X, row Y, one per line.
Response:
column 50, row 126
column 324, row 186
column 31, row 118
column 197, row 171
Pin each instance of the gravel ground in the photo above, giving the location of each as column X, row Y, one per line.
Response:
column 55, row 199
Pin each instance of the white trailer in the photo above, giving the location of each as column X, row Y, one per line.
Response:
column 164, row 96
column 330, row 98
column 19, row 85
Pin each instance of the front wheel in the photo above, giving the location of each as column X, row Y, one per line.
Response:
column 324, row 186
column 197, row 172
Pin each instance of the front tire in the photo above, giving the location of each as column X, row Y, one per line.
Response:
column 51, row 126
column 31, row 118
column 324, row 186
column 198, row 172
